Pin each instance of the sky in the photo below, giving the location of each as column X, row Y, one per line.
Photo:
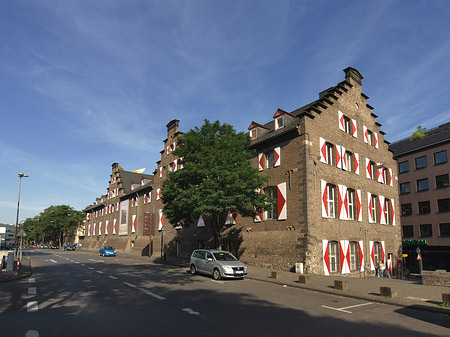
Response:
column 85, row 84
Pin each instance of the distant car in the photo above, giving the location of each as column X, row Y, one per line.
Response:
column 218, row 263
column 107, row 251
column 69, row 247
column 54, row 246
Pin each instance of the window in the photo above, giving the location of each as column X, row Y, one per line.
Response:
column 424, row 207
column 373, row 209
column 333, row 254
column 272, row 193
column 270, row 159
column 171, row 167
column 422, row 184
column 350, row 161
column 444, row 205
column 253, row 134
column 406, row 209
column 354, row 256
column 442, row 181
column 425, row 231
column 403, row 167
column 369, row 137
column 373, row 170
column 386, row 175
column 440, row 157
column 377, row 252
column 421, row 162
column 331, row 200
column 351, row 204
column 279, row 122
column 347, row 125
column 408, row 231
column 330, row 152
column 405, row 188
column 387, row 210
column 444, row 229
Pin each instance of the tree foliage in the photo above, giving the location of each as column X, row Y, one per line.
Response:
column 217, row 177
column 53, row 224
column 419, row 133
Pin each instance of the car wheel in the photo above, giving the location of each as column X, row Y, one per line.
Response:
column 216, row 274
column 193, row 269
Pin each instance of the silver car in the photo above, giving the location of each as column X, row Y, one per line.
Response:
column 218, row 263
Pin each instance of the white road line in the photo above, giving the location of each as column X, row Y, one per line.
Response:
column 337, row 309
column 96, row 260
column 191, row 312
column 77, row 262
column 100, row 272
column 129, row 284
column 32, row 306
column 51, row 260
column 155, row 296
column 357, row 305
column 32, row 291
column 31, row 280
column 32, row 333
column 91, row 268
column 83, row 265
column 343, row 309
column 112, row 277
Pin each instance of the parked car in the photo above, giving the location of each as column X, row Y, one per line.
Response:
column 107, row 251
column 69, row 247
column 54, row 246
column 217, row 263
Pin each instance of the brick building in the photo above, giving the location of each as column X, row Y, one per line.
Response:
column 425, row 197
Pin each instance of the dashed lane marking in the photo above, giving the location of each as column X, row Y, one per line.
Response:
column 100, row 272
column 112, row 277
column 31, row 280
column 83, row 265
column 96, row 260
column 32, row 291
column 129, row 284
column 32, row 306
column 191, row 312
column 155, row 295
column 91, row 268
column 32, row 333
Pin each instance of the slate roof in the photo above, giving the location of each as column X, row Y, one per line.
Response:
column 436, row 136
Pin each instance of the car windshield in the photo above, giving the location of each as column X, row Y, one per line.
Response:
column 109, row 248
column 224, row 256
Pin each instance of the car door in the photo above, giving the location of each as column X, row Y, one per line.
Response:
column 209, row 262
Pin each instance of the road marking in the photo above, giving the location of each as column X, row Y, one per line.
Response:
column 112, row 277
column 191, row 312
column 96, row 260
column 32, row 333
column 32, row 291
column 51, row 260
column 31, row 280
column 32, row 306
column 418, row 299
column 77, row 262
column 221, row 282
column 83, row 265
column 91, row 268
column 100, row 272
column 155, row 296
column 142, row 264
column 129, row 284
column 344, row 308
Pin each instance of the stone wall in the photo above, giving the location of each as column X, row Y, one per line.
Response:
column 436, row 278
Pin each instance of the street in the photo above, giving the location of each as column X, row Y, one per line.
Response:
column 82, row 294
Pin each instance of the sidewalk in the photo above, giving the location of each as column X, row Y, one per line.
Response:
column 24, row 271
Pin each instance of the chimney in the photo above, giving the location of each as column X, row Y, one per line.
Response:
column 351, row 74
column 173, row 124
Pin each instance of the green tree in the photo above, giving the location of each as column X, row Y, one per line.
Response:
column 419, row 133
column 217, row 177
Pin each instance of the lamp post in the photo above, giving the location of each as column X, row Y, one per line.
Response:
column 20, row 175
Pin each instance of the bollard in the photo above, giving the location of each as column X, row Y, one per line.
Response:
column 388, row 292
column 303, row 279
column 275, row 275
column 446, row 298
column 340, row 285
column 1, row 266
column 18, row 264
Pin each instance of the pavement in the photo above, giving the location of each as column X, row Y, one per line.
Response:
column 411, row 293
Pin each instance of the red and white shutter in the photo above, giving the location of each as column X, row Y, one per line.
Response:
column 342, row 202
column 93, row 229
column 89, row 229
column 392, row 213
column 354, row 129
column 281, row 201
column 106, row 227
column 326, row 257
column 361, row 255
column 341, row 121
column 323, row 189
column 158, row 193
column 149, row 197
column 114, row 226
column 258, row 216
column 382, row 208
column 201, row 221
column 160, row 172
column 390, row 177
column 389, row 262
column 372, row 256
column 344, row 158
column 356, row 162
column 368, row 171
column 338, row 156
column 175, row 165
column 375, row 140
column 133, row 223
column 181, row 163
column 161, row 220
column 261, row 161
column 345, row 256
column 383, row 252
column 380, row 175
column 323, row 151
column 277, row 156
column 117, row 207
column 100, row 228
column 231, row 218
column 369, row 206
column 145, row 199
column 366, row 134
column 358, row 205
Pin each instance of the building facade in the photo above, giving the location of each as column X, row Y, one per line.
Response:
column 425, row 198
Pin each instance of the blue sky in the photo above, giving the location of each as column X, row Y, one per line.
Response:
column 84, row 84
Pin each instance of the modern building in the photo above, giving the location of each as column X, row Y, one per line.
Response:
column 425, row 198
column 6, row 235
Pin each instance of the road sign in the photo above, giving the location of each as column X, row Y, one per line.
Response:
column 405, row 255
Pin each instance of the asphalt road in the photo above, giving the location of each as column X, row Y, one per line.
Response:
column 82, row 294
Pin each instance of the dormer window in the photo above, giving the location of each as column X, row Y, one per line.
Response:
column 279, row 122
column 253, row 134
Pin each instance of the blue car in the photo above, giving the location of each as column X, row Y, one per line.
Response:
column 107, row 251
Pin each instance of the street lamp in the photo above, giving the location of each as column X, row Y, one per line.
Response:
column 20, row 175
